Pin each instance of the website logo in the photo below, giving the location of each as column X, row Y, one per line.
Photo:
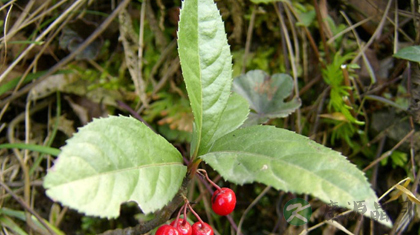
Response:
column 297, row 211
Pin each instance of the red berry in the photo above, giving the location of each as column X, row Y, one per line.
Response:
column 167, row 230
column 223, row 201
column 202, row 228
column 184, row 228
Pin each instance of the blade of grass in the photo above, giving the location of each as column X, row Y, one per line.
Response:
column 292, row 62
column 21, row 216
column 12, row 213
column 385, row 101
column 32, row 147
column 26, row 42
column 7, row 222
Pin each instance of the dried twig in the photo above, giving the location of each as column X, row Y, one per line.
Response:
column 293, row 64
column 307, row 33
column 61, row 18
column 249, row 38
column 132, row 44
column 321, row 29
column 377, row 32
column 253, row 203
column 160, row 38
column 388, row 153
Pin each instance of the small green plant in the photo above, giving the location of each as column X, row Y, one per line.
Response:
column 340, row 92
column 341, row 111
column 119, row 159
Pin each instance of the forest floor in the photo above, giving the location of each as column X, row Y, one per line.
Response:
column 64, row 63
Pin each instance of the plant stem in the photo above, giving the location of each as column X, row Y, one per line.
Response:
column 193, row 166
column 177, row 216
column 195, row 214
column 204, row 173
column 321, row 31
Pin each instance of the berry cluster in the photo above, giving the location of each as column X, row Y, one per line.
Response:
column 223, row 203
column 181, row 226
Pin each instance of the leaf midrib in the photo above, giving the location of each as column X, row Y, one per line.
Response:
column 121, row 170
column 257, row 143
column 200, row 131
column 288, row 163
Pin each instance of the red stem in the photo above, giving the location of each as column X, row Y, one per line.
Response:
column 203, row 172
column 177, row 217
column 196, row 215
column 185, row 214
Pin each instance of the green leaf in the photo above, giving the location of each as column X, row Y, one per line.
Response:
column 233, row 116
column 290, row 162
column 266, row 94
column 411, row 53
column 115, row 160
column 307, row 18
column 399, row 158
column 206, row 65
column 255, row 119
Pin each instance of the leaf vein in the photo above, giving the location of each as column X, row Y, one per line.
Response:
column 122, row 170
column 289, row 164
